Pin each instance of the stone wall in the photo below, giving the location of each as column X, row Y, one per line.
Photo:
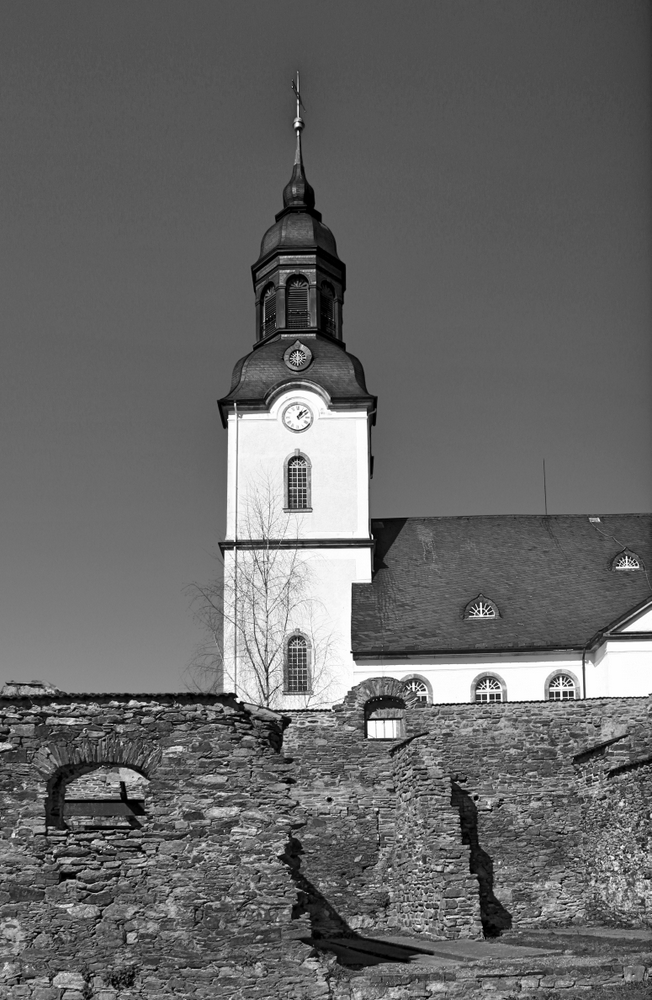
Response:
column 199, row 888
column 232, row 834
column 433, row 890
column 534, row 796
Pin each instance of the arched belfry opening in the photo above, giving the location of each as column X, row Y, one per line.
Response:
column 296, row 303
column 268, row 312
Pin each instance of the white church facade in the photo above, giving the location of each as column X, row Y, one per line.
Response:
column 319, row 597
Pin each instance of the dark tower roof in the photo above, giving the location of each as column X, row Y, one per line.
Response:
column 298, row 224
column 298, row 246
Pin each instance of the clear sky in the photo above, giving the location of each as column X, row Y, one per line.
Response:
column 484, row 166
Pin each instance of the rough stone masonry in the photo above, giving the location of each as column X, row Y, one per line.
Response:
column 175, row 845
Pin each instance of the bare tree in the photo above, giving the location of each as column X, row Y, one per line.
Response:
column 262, row 599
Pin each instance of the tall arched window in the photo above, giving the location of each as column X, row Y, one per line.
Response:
column 327, row 308
column 268, row 319
column 297, row 665
column 296, row 303
column 297, row 483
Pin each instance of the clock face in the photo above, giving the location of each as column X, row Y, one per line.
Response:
column 297, row 417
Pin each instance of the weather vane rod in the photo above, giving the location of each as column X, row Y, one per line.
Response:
column 298, row 121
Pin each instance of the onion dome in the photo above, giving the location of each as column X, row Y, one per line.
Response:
column 298, row 224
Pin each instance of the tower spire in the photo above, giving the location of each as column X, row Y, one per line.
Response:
column 298, row 194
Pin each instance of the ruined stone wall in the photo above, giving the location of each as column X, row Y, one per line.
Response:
column 433, row 890
column 546, row 844
column 197, row 889
column 346, row 789
column 539, row 833
column 232, row 839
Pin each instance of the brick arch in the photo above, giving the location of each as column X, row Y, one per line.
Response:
column 380, row 687
column 60, row 763
column 110, row 751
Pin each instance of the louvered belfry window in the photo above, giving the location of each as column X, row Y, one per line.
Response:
column 327, row 308
column 297, row 680
column 296, row 303
column 269, row 310
column 298, row 485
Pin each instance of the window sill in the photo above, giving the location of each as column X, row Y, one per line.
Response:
column 297, row 510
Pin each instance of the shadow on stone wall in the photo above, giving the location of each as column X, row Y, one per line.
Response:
column 495, row 918
column 325, row 921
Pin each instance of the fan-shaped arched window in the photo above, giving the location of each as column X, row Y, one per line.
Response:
column 384, row 718
column 489, row 689
column 327, row 308
column 296, row 303
column 418, row 687
column 269, row 310
column 562, row 687
column 626, row 560
column 297, row 665
column 481, row 607
column 297, row 483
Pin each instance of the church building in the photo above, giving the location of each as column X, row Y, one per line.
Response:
column 319, row 597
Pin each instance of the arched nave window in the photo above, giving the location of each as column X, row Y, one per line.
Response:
column 297, row 483
column 561, row 687
column 419, row 687
column 489, row 689
column 297, row 665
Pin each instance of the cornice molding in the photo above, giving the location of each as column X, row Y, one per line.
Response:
column 296, row 543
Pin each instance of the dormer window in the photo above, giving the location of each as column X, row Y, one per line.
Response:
column 626, row 561
column 269, row 310
column 296, row 303
column 481, row 607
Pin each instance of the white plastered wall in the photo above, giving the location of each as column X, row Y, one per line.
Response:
column 337, row 445
column 620, row 668
column 452, row 679
column 617, row 669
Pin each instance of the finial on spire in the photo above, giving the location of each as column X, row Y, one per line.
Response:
column 298, row 194
column 299, row 123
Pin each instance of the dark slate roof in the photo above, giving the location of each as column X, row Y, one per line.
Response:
column 334, row 369
column 298, row 230
column 550, row 577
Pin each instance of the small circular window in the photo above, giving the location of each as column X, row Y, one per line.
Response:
column 297, row 358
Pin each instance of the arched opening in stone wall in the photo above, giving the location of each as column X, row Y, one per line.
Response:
column 97, row 797
column 384, row 718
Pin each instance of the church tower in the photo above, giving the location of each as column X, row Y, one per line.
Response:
column 299, row 418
